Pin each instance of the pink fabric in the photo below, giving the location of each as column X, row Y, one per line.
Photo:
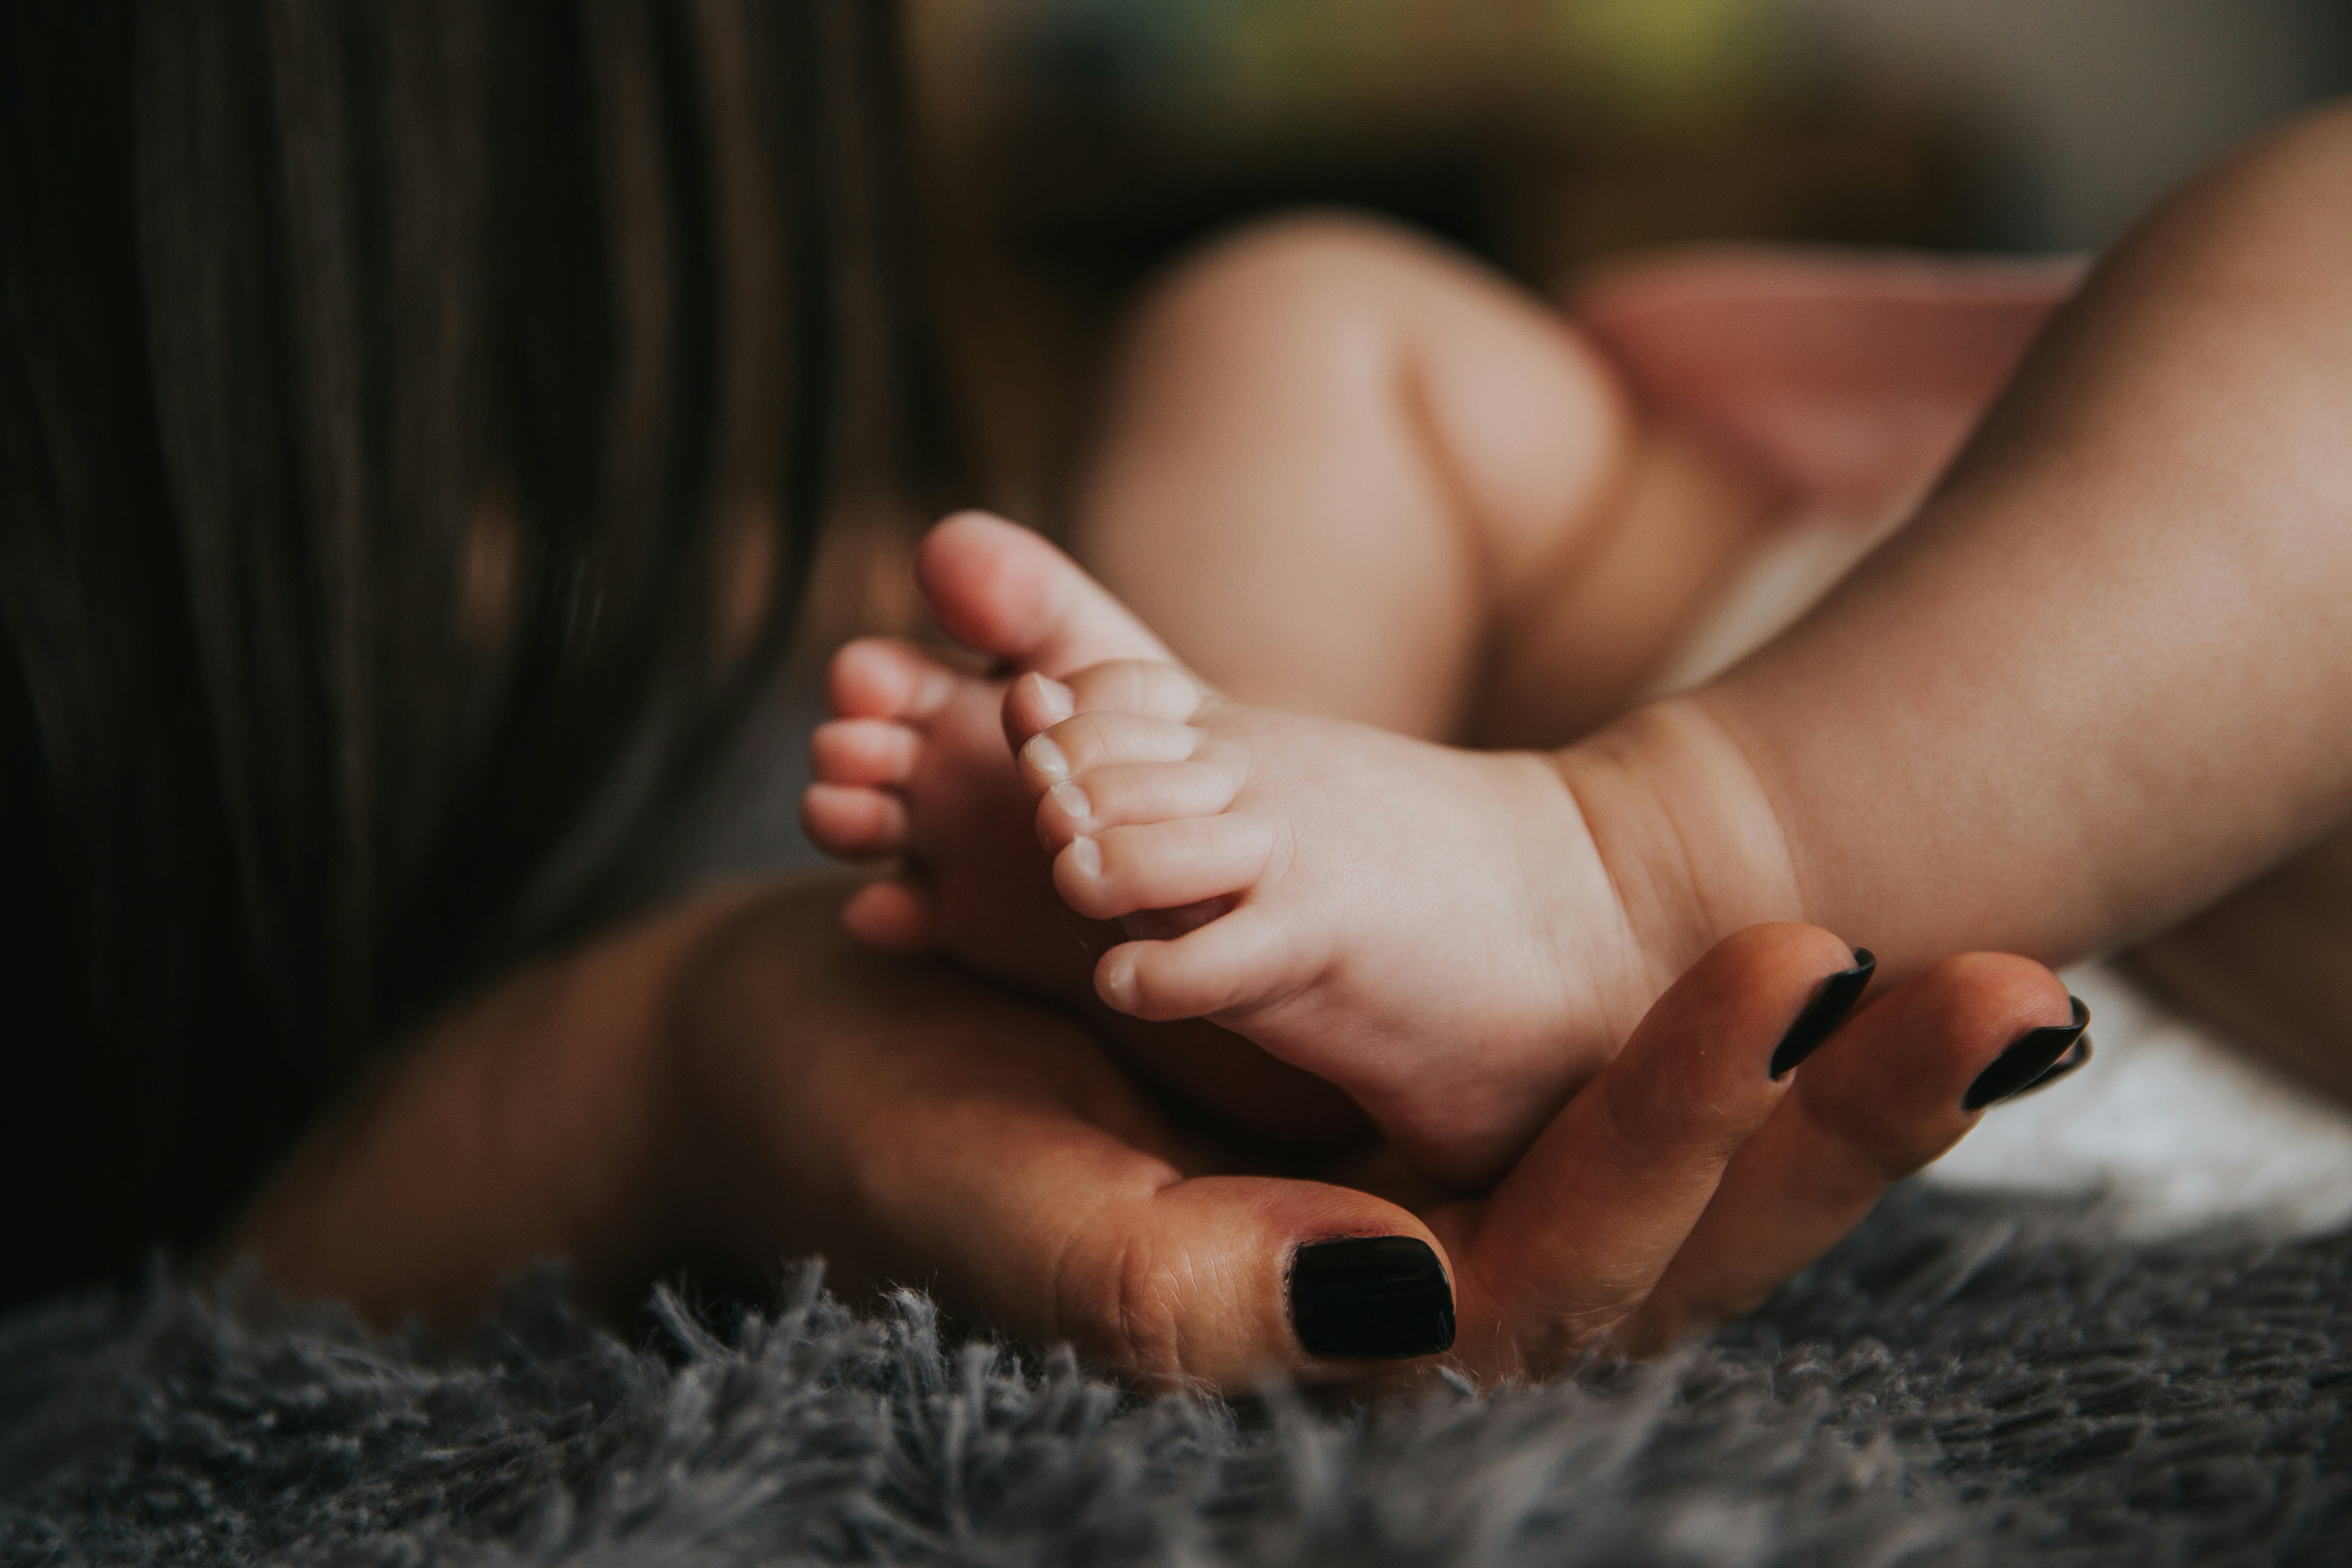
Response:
column 1849, row 378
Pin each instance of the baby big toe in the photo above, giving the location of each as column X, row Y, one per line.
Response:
column 1167, row 865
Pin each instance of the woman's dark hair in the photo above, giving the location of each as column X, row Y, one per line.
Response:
column 415, row 421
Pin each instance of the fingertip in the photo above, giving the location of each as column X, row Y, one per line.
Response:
column 1749, row 993
column 1834, row 999
column 1893, row 1088
column 1947, row 1023
column 1594, row 1213
column 1885, row 1096
column 1766, row 966
column 2037, row 1057
column 1370, row 1298
column 1994, row 994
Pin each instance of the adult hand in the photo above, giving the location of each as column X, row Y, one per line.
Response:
column 916, row 1127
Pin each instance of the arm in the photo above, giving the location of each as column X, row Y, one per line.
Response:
column 2105, row 676
column 542, row 1119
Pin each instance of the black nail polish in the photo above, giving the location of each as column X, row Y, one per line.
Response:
column 2073, row 1061
column 1832, row 1000
column 2029, row 1061
column 1370, row 1298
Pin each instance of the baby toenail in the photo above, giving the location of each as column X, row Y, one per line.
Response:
column 1073, row 801
column 1045, row 758
column 1118, row 985
column 1054, row 700
column 1086, row 856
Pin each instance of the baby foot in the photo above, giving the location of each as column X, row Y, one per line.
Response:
column 915, row 768
column 1431, row 930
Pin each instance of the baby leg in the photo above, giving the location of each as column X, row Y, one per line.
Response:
column 1349, row 472
column 2107, row 674
column 1345, row 471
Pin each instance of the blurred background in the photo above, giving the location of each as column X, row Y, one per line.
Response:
column 1070, row 147
column 1073, row 145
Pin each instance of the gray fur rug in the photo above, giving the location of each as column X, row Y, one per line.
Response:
column 1963, row 1381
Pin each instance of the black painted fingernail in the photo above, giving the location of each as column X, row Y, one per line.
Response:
column 2028, row 1060
column 1832, row 1002
column 2073, row 1061
column 1370, row 1298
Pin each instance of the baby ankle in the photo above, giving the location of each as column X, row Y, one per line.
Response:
column 1684, row 826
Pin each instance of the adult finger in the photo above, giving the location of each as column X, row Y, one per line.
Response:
column 1582, row 1229
column 919, row 1129
column 1899, row 1085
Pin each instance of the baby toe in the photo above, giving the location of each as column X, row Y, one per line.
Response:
column 1124, row 869
column 882, row 677
column 853, row 822
column 864, row 752
column 1242, row 961
column 1094, row 740
column 1133, row 794
column 895, row 916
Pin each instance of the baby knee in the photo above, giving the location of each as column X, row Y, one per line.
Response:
column 1298, row 272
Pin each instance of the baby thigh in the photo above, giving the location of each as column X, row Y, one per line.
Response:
column 1342, row 470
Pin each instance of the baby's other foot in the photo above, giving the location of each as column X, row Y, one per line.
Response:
column 915, row 768
column 1430, row 929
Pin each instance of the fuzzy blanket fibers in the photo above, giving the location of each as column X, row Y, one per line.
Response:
column 1968, row 1379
